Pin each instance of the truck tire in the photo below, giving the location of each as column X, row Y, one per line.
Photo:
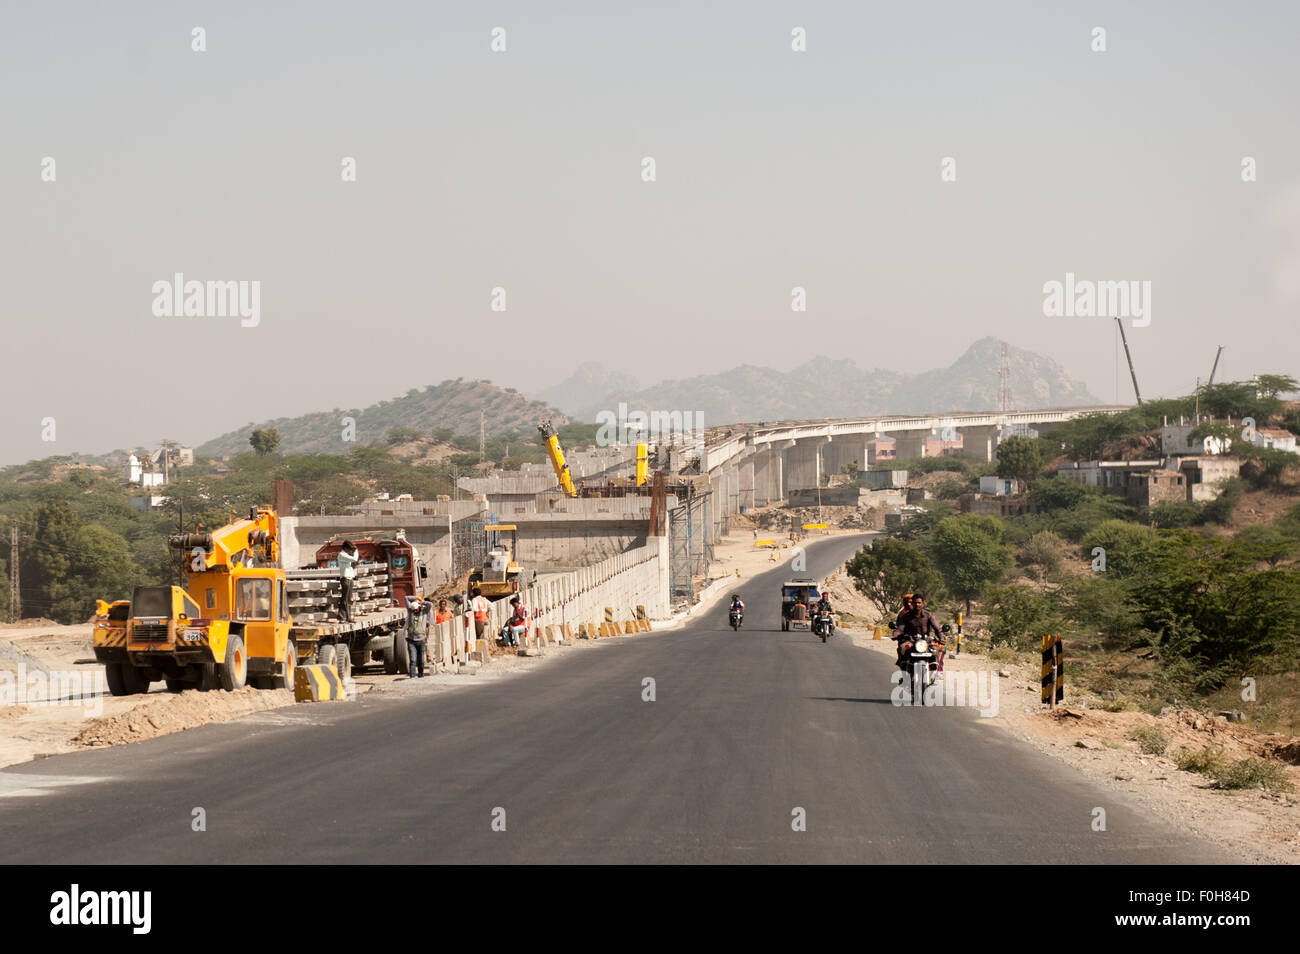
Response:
column 208, row 678
column 285, row 679
column 325, row 654
column 115, row 674
column 397, row 655
column 233, row 673
column 343, row 662
column 178, row 685
column 403, row 652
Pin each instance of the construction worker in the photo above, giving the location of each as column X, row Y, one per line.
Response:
column 348, row 558
column 416, row 634
column 517, row 627
column 479, row 606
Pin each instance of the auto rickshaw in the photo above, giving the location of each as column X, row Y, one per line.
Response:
column 798, row 597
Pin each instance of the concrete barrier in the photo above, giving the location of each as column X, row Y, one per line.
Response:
column 314, row 683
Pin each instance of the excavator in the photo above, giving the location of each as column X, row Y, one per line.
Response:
column 228, row 627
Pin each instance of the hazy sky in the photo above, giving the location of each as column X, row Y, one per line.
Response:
column 522, row 169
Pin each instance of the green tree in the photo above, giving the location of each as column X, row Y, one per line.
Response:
column 66, row 564
column 1127, row 545
column 1220, row 509
column 1020, row 617
column 889, row 568
column 401, row 435
column 265, row 441
column 1019, row 457
column 968, row 551
column 1042, row 551
column 1275, row 385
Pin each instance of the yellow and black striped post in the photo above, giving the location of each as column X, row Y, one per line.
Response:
column 1060, row 670
column 1049, row 670
column 1053, row 678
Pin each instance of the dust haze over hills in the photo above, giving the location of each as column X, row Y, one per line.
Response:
column 821, row 387
column 830, row 387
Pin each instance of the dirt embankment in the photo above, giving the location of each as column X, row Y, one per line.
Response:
column 164, row 714
column 53, row 697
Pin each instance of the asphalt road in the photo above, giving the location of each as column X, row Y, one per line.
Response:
column 745, row 729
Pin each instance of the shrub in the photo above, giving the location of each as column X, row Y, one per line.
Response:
column 1020, row 617
column 1043, row 551
column 1253, row 773
column 1127, row 545
column 1151, row 740
column 1221, row 508
column 1173, row 514
column 1208, row 760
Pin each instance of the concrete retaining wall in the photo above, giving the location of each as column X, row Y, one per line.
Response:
column 638, row 577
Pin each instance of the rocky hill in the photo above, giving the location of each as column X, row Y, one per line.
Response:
column 452, row 405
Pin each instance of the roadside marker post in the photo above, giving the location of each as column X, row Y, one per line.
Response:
column 1053, row 678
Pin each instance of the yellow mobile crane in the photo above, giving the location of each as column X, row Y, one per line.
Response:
column 230, row 622
column 561, row 468
column 556, row 454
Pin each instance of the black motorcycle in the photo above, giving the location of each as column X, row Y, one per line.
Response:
column 737, row 617
column 921, row 664
column 824, row 624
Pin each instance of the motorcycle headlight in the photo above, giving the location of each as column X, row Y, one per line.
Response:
column 921, row 646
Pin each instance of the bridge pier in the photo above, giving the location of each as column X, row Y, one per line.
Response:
column 767, row 476
column 981, row 441
column 911, row 444
column 804, row 464
column 846, row 449
column 745, row 484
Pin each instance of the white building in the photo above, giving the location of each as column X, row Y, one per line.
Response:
column 999, row 486
column 1175, row 440
column 1277, row 438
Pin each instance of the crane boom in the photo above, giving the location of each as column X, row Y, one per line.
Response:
column 1218, row 354
column 241, row 543
column 556, row 454
column 1133, row 374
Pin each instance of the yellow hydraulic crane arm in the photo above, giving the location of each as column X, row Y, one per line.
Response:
column 556, row 454
column 241, row 543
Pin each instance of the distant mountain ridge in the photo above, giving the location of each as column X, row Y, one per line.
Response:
column 819, row 388
column 837, row 387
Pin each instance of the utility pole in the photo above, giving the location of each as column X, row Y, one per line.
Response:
column 482, row 438
column 15, row 601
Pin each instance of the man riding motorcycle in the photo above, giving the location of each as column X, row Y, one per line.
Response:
column 917, row 621
column 823, row 606
column 737, row 606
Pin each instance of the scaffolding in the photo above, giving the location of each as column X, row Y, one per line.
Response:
column 468, row 544
column 690, row 547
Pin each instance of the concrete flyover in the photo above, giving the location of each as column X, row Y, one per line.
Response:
column 758, row 464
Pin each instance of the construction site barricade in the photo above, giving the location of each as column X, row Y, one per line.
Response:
column 313, row 683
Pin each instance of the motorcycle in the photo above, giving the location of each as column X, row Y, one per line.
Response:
column 921, row 664
column 737, row 617
column 824, row 625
